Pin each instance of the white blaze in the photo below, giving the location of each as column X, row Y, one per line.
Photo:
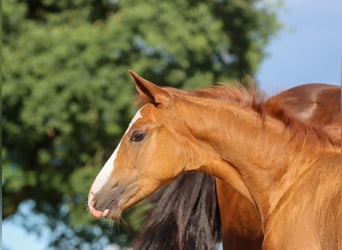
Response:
column 108, row 168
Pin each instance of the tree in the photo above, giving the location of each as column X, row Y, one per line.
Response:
column 67, row 95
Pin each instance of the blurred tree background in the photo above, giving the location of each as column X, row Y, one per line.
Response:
column 67, row 96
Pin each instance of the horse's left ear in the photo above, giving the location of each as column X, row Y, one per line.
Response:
column 150, row 91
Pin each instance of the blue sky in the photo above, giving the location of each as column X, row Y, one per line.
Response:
column 308, row 50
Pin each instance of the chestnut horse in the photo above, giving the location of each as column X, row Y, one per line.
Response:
column 288, row 169
column 186, row 210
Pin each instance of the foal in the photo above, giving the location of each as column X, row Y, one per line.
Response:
column 186, row 210
column 289, row 171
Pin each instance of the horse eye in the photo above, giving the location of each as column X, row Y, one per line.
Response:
column 137, row 136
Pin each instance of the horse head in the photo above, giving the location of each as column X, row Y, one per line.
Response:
column 150, row 154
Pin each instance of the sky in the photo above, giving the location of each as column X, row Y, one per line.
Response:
column 309, row 49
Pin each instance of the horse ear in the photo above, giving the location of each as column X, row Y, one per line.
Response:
column 150, row 91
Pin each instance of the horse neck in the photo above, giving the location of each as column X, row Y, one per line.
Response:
column 254, row 147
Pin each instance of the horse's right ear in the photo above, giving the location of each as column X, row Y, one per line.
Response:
column 150, row 91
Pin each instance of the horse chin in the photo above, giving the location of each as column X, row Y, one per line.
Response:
column 113, row 214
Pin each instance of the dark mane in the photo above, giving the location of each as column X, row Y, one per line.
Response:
column 185, row 216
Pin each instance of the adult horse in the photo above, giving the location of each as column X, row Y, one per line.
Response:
column 293, row 183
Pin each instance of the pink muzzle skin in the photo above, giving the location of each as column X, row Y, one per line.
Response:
column 96, row 213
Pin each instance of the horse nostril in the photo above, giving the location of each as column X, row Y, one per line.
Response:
column 95, row 205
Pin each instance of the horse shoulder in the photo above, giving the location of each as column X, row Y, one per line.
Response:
column 308, row 216
column 329, row 204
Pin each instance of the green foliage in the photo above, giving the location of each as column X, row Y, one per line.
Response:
column 67, row 96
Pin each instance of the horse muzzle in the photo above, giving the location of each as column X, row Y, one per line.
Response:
column 112, row 200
